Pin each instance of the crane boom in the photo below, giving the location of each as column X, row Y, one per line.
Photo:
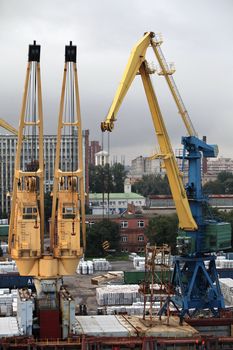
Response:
column 136, row 58
column 167, row 73
column 68, row 190
column 26, row 231
column 8, row 127
column 137, row 64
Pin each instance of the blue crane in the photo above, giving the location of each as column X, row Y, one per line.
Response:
column 195, row 279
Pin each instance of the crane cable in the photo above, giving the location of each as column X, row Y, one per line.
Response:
column 102, row 170
column 108, row 188
column 103, row 174
column 70, row 112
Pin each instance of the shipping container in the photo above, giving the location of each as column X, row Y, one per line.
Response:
column 14, row 281
column 136, row 277
column 225, row 273
column 4, row 231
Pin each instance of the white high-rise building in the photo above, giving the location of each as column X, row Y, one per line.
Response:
column 145, row 166
column 8, row 144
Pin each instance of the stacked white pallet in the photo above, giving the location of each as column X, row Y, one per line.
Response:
column 224, row 264
column 101, row 265
column 4, row 247
column 134, row 309
column 8, row 266
column 132, row 256
column 226, row 285
column 125, row 294
column 139, row 263
column 89, row 267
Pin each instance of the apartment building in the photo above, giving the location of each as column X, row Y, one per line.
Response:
column 145, row 166
column 8, row 144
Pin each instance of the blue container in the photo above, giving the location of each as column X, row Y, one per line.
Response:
column 14, row 281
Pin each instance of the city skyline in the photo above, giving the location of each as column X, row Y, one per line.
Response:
column 202, row 55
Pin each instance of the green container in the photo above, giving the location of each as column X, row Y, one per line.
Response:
column 136, row 277
column 4, row 230
column 217, row 236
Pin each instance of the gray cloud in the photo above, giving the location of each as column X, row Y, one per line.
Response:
column 197, row 37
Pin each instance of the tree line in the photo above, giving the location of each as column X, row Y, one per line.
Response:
column 107, row 178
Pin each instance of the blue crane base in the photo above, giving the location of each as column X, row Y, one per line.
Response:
column 196, row 286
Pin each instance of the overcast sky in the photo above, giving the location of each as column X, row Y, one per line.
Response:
column 197, row 38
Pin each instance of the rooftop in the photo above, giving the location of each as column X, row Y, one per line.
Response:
column 99, row 196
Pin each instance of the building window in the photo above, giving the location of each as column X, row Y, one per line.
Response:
column 124, row 238
column 141, row 223
column 140, row 238
column 29, row 213
column 124, row 224
column 68, row 211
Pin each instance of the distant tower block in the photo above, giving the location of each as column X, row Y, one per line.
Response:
column 101, row 158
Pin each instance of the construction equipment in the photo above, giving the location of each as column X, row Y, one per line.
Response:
column 26, row 229
column 68, row 189
column 8, row 127
column 195, row 276
column 26, row 232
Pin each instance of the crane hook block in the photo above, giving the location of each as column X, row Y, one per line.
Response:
column 70, row 53
column 34, row 53
column 107, row 126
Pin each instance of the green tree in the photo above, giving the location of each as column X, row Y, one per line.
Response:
column 118, row 175
column 222, row 185
column 107, row 178
column 163, row 229
column 152, row 184
column 213, row 187
column 104, row 230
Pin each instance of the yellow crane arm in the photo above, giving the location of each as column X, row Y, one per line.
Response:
column 8, row 127
column 137, row 64
column 136, row 58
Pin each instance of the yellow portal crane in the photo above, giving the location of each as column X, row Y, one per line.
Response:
column 137, row 64
column 26, row 231
column 68, row 188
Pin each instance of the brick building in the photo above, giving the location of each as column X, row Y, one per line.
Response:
column 132, row 230
column 94, row 148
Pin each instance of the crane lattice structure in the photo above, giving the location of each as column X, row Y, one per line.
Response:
column 195, row 277
column 26, row 231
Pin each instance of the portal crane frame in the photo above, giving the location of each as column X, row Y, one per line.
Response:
column 197, row 286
